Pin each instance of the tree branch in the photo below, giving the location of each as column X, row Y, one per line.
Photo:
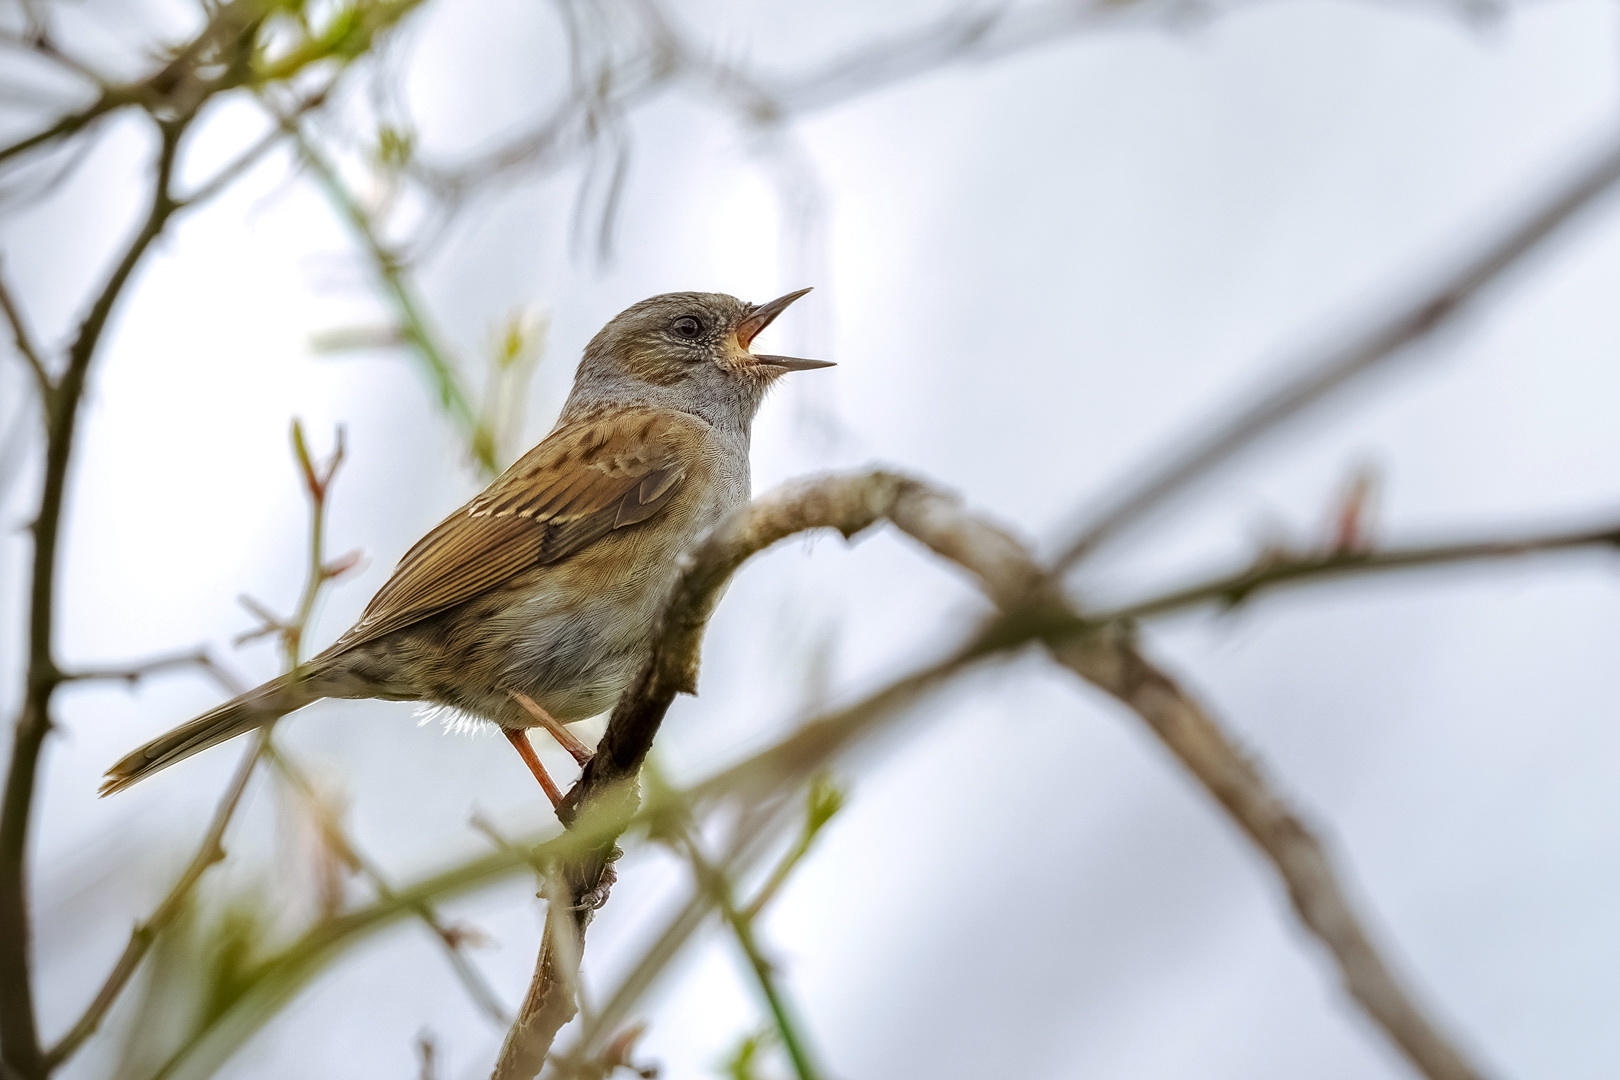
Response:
column 1030, row 609
column 440, row 366
column 19, row 1034
column 1313, row 377
column 141, row 938
column 717, row 884
column 25, row 342
column 478, row 989
column 1279, row 570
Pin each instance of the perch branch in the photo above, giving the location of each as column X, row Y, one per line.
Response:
column 1030, row 611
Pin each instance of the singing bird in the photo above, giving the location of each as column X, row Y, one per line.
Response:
column 534, row 604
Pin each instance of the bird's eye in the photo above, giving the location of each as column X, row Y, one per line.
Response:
column 687, row 326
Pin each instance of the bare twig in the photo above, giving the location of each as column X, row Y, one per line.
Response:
column 1317, row 375
column 1278, row 570
column 210, row 851
column 135, row 672
column 24, row 341
column 39, row 42
column 478, row 988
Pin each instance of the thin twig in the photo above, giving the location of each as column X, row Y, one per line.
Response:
column 391, row 277
column 478, row 988
column 718, row 884
column 1276, row 570
column 209, row 852
column 247, row 159
column 1317, row 375
column 134, row 672
column 25, row 342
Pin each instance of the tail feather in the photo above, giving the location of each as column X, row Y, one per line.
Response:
column 255, row 709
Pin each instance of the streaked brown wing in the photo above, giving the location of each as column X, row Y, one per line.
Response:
column 577, row 486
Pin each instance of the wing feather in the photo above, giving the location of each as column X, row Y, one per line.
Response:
column 571, row 490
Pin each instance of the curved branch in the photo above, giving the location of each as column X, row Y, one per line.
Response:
column 1030, row 609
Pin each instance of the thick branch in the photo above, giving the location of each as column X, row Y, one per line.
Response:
column 1311, row 378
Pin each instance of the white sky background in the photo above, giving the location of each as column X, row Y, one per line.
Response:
column 1036, row 273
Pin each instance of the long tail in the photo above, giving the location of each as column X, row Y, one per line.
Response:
column 254, row 709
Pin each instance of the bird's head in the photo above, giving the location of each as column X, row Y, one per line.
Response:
column 689, row 350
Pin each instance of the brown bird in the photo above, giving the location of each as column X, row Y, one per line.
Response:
column 534, row 604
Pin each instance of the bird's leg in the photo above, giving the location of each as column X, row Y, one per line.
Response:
column 520, row 742
column 581, row 753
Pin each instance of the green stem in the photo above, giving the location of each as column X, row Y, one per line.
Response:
column 742, row 928
column 436, row 361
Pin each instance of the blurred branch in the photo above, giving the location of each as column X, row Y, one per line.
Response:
column 141, row 938
column 1280, row 569
column 451, row 938
column 718, row 885
column 24, row 341
column 238, row 166
column 39, row 42
column 135, row 672
column 823, row 799
column 226, row 55
column 440, row 367
column 1316, row 376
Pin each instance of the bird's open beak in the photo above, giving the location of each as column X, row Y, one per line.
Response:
column 792, row 363
column 761, row 317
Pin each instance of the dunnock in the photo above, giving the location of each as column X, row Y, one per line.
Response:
column 534, row 603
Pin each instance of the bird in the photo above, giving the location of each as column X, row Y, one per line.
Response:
column 535, row 603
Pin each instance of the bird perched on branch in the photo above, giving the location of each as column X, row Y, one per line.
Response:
column 535, row 603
